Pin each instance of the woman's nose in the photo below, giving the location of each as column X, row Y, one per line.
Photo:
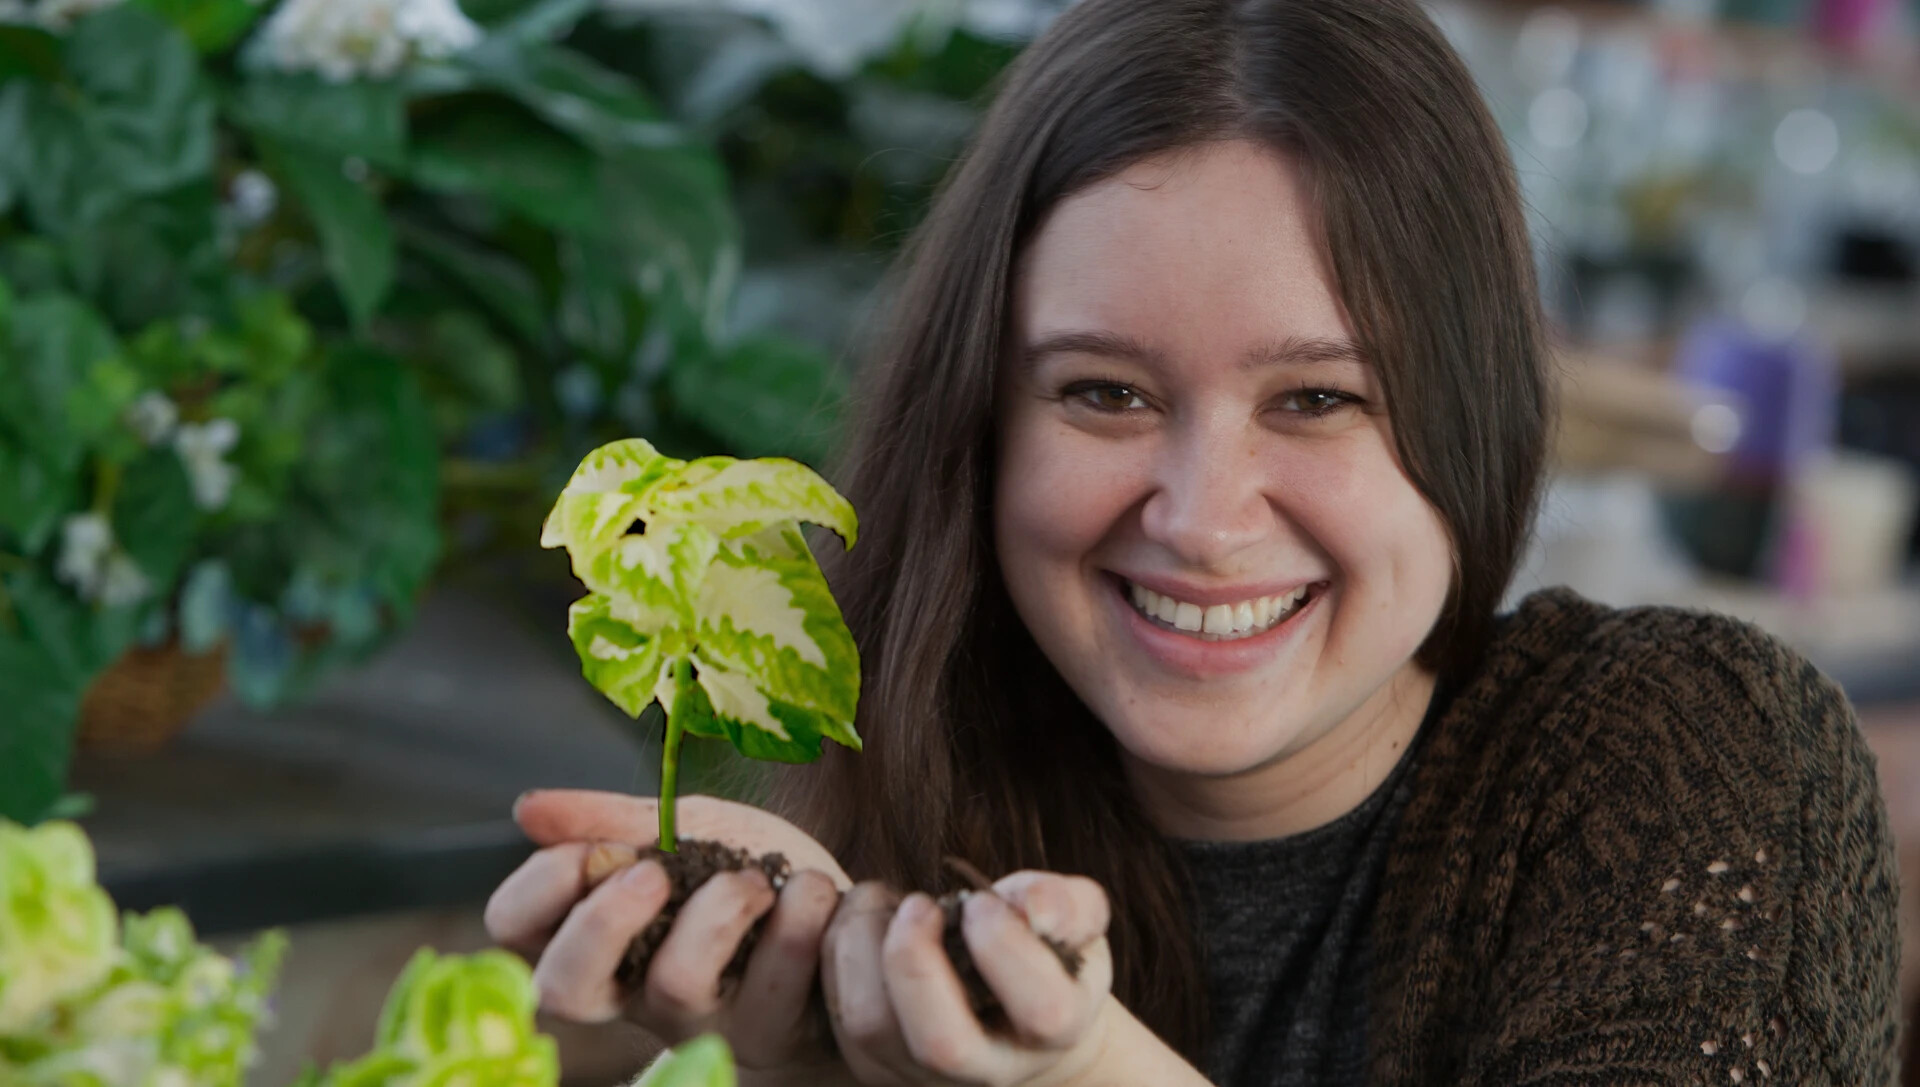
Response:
column 1209, row 500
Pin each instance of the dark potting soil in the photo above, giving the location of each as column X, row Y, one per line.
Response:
column 698, row 860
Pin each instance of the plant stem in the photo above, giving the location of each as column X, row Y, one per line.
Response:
column 670, row 757
column 106, row 486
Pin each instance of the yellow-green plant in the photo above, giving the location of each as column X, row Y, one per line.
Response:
column 704, row 596
column 92, row 1003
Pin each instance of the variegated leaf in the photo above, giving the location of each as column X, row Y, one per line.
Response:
column 622, row 661
column 736, row 498
column 659, row 570
column 605, row 496
column 764, row 612
column 758, row 726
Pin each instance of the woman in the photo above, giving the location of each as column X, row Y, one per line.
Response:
column 1207, row 432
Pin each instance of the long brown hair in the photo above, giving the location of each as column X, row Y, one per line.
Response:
column 973, row 744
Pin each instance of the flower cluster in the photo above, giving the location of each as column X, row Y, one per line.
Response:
column 458, row 1019
column 82, row 1008
column 94, row 563
column 202, row 446
column 348, row 39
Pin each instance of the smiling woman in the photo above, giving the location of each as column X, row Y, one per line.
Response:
column 1191, row 471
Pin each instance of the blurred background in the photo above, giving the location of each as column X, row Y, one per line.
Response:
column 307, row 309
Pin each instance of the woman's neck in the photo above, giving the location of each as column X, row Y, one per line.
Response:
column 1297, row 791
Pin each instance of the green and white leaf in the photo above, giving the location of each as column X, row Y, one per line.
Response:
column 765, row 611
column 621, row 659
column 736, row 498
column 603, row 498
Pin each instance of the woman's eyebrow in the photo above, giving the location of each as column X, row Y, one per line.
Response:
column 1290, row 351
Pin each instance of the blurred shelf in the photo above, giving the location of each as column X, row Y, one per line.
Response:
column 391, row 790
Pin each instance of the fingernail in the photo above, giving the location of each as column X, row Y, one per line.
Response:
column 642, row 874
column 919, row 907
column 986, row 905
column 521, row 799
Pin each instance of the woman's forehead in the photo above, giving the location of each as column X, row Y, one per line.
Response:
column 1220, row 246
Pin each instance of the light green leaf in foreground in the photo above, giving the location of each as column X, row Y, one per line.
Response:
column 619, row 657
column 703, row 1062
column 736, row 498
column 58, row 930
column 603, row 498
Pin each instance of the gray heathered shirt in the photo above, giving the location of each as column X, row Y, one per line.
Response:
column 1285, row 935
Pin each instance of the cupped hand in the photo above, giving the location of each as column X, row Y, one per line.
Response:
column 578, row 935
column 900, row 1014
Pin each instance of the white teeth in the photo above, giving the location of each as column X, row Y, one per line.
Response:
column 1187, row 617
column 1218, row 621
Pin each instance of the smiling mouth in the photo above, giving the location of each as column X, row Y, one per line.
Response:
column 1221, row 622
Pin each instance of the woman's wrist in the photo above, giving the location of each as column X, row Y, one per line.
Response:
column 1128, row 1053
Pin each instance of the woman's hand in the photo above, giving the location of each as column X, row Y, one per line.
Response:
column 899, row 1012
column 545, row 911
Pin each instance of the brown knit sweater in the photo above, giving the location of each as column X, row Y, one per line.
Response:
column 1644, row 847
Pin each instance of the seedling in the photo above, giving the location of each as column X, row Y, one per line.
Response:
column 704, row 597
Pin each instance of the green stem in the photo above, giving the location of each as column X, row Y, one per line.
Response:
column 106, row 487
column 670, row 756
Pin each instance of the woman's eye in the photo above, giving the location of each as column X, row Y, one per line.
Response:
column 1317, row 402
column 1107, row 396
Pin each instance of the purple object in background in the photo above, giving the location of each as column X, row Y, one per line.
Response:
column 1789, row 386
column 1847, row 24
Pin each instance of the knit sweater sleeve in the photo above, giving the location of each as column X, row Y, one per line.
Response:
column 1707, row 890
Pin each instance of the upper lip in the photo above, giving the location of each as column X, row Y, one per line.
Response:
column 1192, row 592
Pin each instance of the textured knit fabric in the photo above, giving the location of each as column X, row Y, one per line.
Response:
column 1284, row 925
column 1641, row 847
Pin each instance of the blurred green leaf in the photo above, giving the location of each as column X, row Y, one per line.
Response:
column 508, row 291
column 363, row 118
column 545, row 20
column 150, row 259
column 154, row 516
column 211, row 25
column 668, row 210
column 33, row 496
column 30, row 52
column 56, row 341
column 42, row 710
column 765, row 397
column 513, row 159
column 353, row 228
column 567, row 89
column 138, row 119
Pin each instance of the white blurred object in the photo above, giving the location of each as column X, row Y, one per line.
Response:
column 1861, row 509
column 349, row 39
column 61, row 14
column 1603, row 537
column 1806, row 141
column 833, row 37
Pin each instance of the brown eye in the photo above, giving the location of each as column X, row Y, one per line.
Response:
column 1317, row 402
column 1106, row 396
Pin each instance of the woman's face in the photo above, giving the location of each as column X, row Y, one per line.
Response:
column 1199, row 511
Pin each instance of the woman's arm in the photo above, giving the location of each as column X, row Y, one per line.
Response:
column 1721, row 909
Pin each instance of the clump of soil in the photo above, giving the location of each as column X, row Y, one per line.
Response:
column 699, row 860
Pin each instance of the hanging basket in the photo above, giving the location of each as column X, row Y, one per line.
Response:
column 148, row 697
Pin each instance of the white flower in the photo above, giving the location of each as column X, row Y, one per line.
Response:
column 201, row 447
column 95, row 566
column 61, row 14
column 834, row 37
column 123, row 583
column 153, row 417
column 347, row 39
column 254, row 197
column 85, row 541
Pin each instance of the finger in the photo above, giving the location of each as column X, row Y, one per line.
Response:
column 771, row 1010
column 939, row 1029
column 1047, row 1008
column 575, row 974
column 550, row 816
column 851, row 976
column 1071, row 909
column 683, row 982
column 529, row 904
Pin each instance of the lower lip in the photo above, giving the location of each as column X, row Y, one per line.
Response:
column 1193, row 657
